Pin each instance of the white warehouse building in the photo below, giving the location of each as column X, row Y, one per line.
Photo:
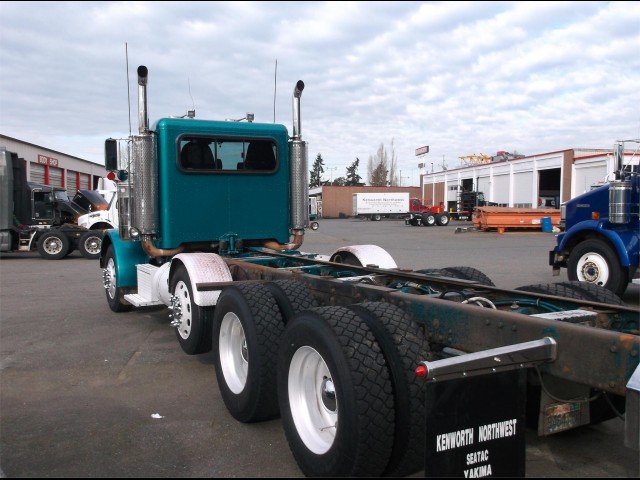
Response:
column 544, row 180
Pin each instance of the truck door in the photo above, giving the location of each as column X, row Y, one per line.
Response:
column 42, row 210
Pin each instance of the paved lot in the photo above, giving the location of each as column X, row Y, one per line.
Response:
column 85, row 392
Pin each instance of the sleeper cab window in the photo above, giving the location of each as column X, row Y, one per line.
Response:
column 207, row 154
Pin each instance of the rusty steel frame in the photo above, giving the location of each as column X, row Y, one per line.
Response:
column 596, row 357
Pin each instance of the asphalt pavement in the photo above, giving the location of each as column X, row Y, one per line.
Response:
column 85, row 392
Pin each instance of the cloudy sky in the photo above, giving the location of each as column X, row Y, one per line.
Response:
column 463, row 78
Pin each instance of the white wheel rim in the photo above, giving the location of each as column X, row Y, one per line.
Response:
column 312, row 400
column 53, row 245
column 110, row 278
column 593, row 268
column 234, row 356
column 92, row 245
column 183, row 309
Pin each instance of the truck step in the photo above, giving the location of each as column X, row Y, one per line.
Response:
column 24, row 241
column 139, row 301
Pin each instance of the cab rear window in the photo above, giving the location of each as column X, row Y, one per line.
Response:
column 207, row 154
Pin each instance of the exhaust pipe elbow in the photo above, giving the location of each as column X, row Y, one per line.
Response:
column 298, row 237
column 151, row 250
column 143, row 117
column 297, row 93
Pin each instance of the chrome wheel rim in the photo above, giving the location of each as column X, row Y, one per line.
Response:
column 312, row 399
column 234, row 355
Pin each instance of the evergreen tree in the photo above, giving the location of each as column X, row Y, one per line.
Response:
column 353, row 179
column 339, row 182
column 315, row 175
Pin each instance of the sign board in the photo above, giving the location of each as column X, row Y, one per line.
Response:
column 422, row 150
column 44, row 160
column 476, row 426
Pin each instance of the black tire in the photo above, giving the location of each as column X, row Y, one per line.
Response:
column 467, row 273
column 314, row 225
column 194, row 330
column 576, row 290
column 90, row 243
column 247, row 327
column 53, row 245
column 435, row 271
column 115, row 294
column 376, row 217
column 328, row 358
column 595, row 293
column 593, row 261
column 443, row 219
column 428, row 219
column 403, row 346
column 292, row 297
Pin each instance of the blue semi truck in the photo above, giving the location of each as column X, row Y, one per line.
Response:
column 600, row 242
column 331, row 342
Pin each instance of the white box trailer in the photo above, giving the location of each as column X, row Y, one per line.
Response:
column 378, row 205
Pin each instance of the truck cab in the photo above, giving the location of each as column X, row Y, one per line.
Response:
column 600, row 242
column 203, row 167
column 202, row 186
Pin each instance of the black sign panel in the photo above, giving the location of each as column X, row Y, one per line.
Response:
column 476, row 426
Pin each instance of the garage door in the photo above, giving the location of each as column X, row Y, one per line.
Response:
column 501, row 189
column 523, row 190
column 585, row 177
column 77, row 181
column 56, row 176
column 36, row 172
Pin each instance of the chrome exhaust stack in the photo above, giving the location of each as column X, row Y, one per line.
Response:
column 298, row 172
column 619, row 190
column 143, row 174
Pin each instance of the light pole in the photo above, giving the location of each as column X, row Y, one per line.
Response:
column 331, row 169
column 401, row 177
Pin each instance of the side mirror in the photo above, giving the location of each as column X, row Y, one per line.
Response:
column 111, row 154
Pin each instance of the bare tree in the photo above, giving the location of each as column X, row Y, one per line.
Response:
column 379, row 171
column 393, row 167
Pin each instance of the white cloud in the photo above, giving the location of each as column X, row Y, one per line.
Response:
column 461, row 77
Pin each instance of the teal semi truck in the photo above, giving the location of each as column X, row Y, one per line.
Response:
column 330, row 342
